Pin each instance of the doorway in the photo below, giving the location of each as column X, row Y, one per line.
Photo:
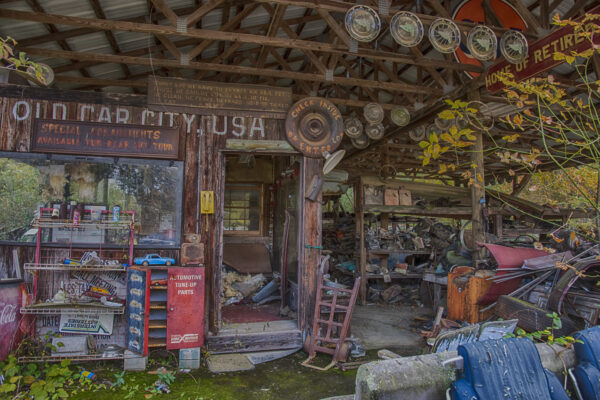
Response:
column 259, row 272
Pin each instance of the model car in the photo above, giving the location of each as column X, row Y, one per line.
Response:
column 153, row 259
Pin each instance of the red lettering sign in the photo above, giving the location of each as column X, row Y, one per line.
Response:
column 540, row 57
column 185, row 308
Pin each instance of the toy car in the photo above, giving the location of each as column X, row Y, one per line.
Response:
column 153, row 259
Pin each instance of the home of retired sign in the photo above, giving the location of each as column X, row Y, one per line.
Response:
column 540, row 56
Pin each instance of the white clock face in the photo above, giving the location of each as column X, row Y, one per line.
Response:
column 400, row 116
column 482, row 43
column 406, row 29
column 375, row 131
column 444, row 35
column 514, row 47
column 362, row 23
column 353, row 127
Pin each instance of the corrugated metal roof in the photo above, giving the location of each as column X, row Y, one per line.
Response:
column 117, row 9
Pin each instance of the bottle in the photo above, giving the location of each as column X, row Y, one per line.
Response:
column 116, row 213
column 63, row 211
column 77, row 212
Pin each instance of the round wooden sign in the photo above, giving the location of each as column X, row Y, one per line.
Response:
column 313, row 126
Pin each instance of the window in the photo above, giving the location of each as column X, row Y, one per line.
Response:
column 151, row 188
column 243, row 209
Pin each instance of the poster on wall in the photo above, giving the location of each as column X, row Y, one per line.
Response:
column 94, row 324
column 11, row 300
column 137, row 310
column 185, row 308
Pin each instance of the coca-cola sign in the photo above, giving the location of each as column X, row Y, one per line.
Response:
column 11, row 300
column 8, row 314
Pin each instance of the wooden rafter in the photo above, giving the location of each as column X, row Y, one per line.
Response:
column 237, row 69
column 103, row 24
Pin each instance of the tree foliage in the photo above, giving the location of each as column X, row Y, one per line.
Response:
column 19, row 61
column 553, row 126
column 20, row 193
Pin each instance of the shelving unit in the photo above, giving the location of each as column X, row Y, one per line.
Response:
column 101, row 223
column 83, row 309
column 90, row 357
column 157, row 334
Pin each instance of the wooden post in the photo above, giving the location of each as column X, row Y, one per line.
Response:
column 360, row 230
column 477, row 188
column 309, row 257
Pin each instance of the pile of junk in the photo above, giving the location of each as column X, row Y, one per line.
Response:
column 520, row 285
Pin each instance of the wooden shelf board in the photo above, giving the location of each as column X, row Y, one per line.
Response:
column 395, row 275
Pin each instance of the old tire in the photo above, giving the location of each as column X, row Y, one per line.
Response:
column 559, row 292
column 531, row 317
column 145, row 263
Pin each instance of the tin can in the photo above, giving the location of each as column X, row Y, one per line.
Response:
column 116, row 213
column 76, row 217
column 88, row 374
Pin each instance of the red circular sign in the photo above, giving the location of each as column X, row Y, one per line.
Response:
column 473, row 11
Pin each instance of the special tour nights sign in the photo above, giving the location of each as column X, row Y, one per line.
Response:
column 105, row 139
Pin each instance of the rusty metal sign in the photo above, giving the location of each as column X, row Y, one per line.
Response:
column 314, row 125
column 185, row 308
column 190, row 95
column 76, row 137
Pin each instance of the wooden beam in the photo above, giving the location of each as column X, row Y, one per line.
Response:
column 342, row 7
column 202, row 11
column 101, row 82
column 236, row 69
column 166, row 11
column 99, row 12
column 276, row 19
column 103, row 24
column 576, row 9
column 169, row 46
column 533, row 24
column 35, row 5
column 339, row 31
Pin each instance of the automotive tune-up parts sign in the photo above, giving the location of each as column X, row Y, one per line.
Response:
column 98, row 324
column 185, row 308
column 137, row 310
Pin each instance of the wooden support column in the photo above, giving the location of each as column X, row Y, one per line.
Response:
column 360, row 230
column 311, row 236
column 477, row 188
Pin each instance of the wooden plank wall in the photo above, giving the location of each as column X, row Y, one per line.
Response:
column 203, row 140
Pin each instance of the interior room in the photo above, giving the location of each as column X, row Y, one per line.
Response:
column 260, row 239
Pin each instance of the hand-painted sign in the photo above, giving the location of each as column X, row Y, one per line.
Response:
column 313, row 126
column 221, row 97
column 11, row 299
column 185, row 308
column 105, row 139
column 99, row 324
column 137, row 310
column 541, row 56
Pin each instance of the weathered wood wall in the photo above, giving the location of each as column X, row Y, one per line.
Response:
column 203, row 144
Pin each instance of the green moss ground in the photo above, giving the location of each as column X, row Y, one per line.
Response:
column 280, row 379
